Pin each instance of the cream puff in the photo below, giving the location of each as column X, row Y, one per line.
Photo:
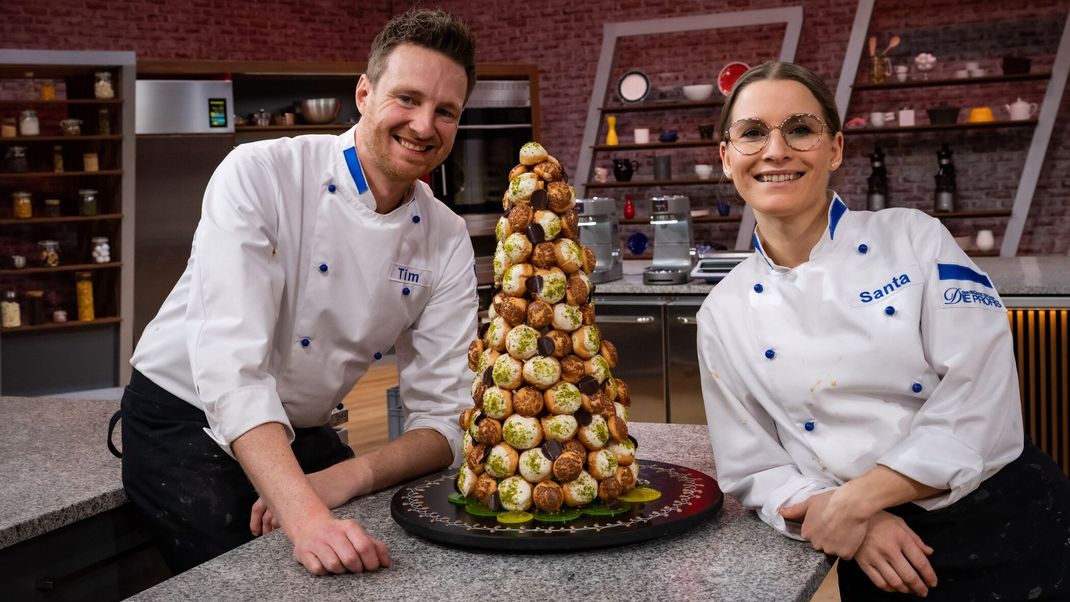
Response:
column 560, row 196
column 542, row 256
column 570, row 225
column 519, row 218
column 501, row 461
column 602, row 464
column 586, row 341
column 562, row 343
column 497, row 403
column 571, row 369
column 528, row 401
column 548, row 496
column 624, row 450
column 502, row 229
column 580, row 491
column 485, row 487
column 587, row 311
column 521, row 187
column 499, row 263
column 589, row 260
column 618, row 428
column 548, row 171
column 626, row 477
column 594, row 434
column 568, row 253
column 567, row 466
column 517, row 248
column 475, row 351
column 532, row 153
column 494, row 337
column 514, row 279
column 622, row 410
column 609, row 489
column 624, row 396
column 474, row 458
column 522, row 432
column 578, row 289
column 560, row 427
column 609, row 351
column 551, row 224
column 567, row 318
column 597, row 367
column 575, row 447
column 540, row 314
column 490, row 431
column 487, row 358
column 562, row 398
column 465, row 418
column 515, row 494
column 507, row 372
column 540, row 371
column 513, row 309
column 553, row 285
column 521, row 342
column 535, row 465
column 466, row 480
column 516, row 171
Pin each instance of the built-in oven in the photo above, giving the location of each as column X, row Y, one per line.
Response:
column 495, row 123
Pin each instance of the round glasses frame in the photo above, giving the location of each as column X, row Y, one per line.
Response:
column 817, row 139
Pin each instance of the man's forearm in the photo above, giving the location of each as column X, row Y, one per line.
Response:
column 265, row 454
column 882, row 487
column 413, row 454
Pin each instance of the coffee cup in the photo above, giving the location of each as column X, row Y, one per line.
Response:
column 642, row 135
column 703, row 171
column 901, row 72
column 601, row 174
column 986, row 240
column 906, row 118
column 879, row 118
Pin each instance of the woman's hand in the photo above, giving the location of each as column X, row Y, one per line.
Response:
column 894, row 557
column 830, row 523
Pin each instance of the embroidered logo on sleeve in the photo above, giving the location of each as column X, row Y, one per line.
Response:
column 410, row 275
column 967, row 287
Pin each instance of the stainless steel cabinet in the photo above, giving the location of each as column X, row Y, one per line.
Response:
column 685, row 392
column 635, row 326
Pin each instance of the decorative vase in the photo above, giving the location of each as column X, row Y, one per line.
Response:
column 629, row 207
column 611, row 135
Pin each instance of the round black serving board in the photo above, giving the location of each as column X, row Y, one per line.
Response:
column 687, row 497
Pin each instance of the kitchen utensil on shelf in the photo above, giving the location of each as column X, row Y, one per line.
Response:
column 668, row 136
column 879, row 118
column 633, row 86
column 1021, row 110
column 981, row 115
column 319, row 110
column 943, row 115
column 892, row 43
column 872, row 45
column 663, row 167
column 729, row 74
column 698, row 91
column 880, row 67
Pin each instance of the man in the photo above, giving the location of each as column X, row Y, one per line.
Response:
column 313, row 256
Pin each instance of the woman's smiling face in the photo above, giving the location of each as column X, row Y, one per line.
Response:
column 779, row 181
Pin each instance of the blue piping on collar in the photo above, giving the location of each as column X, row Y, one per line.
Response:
column 355, row 169
column 836, row 210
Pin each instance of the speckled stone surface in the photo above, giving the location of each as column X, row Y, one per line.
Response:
column 54, row 464
column 1045, row 275
column 734, row 556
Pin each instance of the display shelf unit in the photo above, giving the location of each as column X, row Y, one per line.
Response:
column 1042, row 125
column 653, row 183
column 53, row 357
column 663, row 106
column 654, row 146
column 697, row 219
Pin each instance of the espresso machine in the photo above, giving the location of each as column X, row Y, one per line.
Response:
column 671, row 218
column 600, row 231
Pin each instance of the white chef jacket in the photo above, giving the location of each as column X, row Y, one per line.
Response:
column 295, row 285
column 889, row 346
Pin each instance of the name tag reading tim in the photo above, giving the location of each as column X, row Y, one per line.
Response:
column 409, row 275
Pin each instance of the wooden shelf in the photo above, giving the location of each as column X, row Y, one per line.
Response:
column 656, row 145
column 937, row 128
column 64, row 174
column 965, row 81
column 662, row 106
column 973, row 213
column 980, row 253
column 103, row 217
column 73, row 267
column 641, row 256
column 341, row 127
column 80, row 138
column 647, row 183
column 61, row 325
column 7, row 104
column 697, row 219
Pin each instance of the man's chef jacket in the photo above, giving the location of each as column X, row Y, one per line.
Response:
column 295, row 285
column 889, row 346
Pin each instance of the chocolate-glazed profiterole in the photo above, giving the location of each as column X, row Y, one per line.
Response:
column 548, row 425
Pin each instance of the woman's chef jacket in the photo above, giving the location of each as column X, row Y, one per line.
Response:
column 889, row 346
column 295, row 285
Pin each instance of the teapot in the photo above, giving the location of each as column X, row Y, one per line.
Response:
column 1021, row 110
column 624, row 168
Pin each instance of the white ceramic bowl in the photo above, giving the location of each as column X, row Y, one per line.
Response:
column 698, row 91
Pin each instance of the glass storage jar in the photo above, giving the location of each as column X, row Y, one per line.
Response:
column 52, row 208
column 10, row 312
column 57, row 159
column 49, row 253
column 8, row 128
column 88, row 204
column 48, row 89
column 35, row 307
column 15, row 159
column 71, row 127
column 83, row 290
column 23, row 204
column 101, row 249
column 102, row 86
column 28, row 123
column 103, row 122
column 90, row 162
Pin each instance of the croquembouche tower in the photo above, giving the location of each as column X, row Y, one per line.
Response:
column 549, row 425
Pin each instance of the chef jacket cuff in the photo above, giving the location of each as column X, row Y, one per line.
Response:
column 936, row 458
column 792, row 492
column 241, row 410
column 448, row 429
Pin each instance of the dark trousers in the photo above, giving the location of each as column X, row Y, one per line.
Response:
column 1008, row 540
column 195, row 498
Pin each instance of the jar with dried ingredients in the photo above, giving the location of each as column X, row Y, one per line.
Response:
column 101, row 249
column 102, row 86
column 10, row 312
column 83, row 290
column 28, row 123
column 88, row 205
column 49, row 253
column 23, row 204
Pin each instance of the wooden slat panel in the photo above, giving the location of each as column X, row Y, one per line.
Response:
column 1041, row 349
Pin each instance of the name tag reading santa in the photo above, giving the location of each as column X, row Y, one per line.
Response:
column 409, row 275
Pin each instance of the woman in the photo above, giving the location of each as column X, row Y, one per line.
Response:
column 859, row 379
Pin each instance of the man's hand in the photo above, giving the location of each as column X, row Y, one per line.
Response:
column 828, row 524
column 332, row 485
column 894, row 557
column 325, row 545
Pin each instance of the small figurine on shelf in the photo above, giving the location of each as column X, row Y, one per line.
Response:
column 877, row 194
column 629, row 207
column 945, row 181
column 611, row 135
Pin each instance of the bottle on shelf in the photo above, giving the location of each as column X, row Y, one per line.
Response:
column 10, row 312
column 57, row 158
column 104, row 122
column 877, row 193
column 945, row 181
column 35, row 307
column 83, row 288
column 629, row 207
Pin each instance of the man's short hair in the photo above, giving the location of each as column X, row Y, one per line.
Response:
column 432, row 29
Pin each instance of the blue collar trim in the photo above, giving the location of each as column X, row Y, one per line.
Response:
column 954, row 271
column 355, row 170
column 836, row 210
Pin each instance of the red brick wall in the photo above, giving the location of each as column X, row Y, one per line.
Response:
column 564, row 39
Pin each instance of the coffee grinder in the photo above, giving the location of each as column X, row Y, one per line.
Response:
column 600, row 232
column 671, row 218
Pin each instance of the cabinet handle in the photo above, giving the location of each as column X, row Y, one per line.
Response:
column 686, row 320
column 626, row 319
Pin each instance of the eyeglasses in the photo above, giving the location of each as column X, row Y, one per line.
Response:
column 801, row 132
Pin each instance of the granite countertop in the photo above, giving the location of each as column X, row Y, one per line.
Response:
column 732, row 557
column 55, row 464
column 1042, row 275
